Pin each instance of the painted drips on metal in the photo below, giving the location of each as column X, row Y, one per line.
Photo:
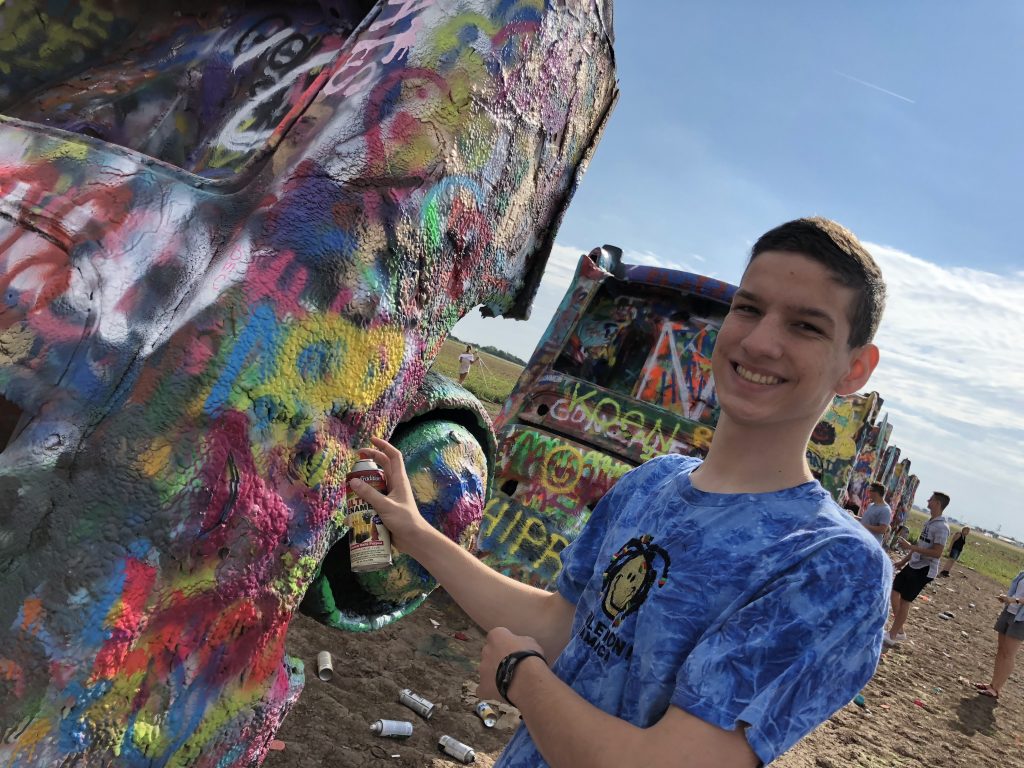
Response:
column 231, row 243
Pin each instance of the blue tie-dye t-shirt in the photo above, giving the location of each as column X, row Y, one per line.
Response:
column 762, row 611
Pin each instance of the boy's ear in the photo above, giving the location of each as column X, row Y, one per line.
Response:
column 862, row 364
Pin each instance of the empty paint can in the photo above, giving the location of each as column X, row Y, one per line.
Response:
column 369, row 542
column 416, row 703
column 453, row 748
column 487, row 714
column 395, row 729
column 324, row 666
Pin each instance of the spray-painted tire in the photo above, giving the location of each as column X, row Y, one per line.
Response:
column 448, row 444
column 447, row 469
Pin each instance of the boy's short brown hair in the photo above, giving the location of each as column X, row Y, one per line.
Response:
column 839, row 250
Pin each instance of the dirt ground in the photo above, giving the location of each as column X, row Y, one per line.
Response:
column 950, row 726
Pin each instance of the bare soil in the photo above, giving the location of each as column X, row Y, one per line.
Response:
column 920, row 708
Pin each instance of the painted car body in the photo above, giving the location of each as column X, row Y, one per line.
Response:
column 232, row 240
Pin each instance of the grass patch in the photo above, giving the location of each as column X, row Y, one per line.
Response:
column 491, row 379
column 993, row 558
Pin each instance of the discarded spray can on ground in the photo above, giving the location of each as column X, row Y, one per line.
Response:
column 369, row 542
column 393, row 729
column 487, row 714
column 416, row 703
column 453, row 748
column 324, row 666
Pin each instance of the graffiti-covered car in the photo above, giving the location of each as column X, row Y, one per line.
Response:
column 622, row 374
column 233, row 237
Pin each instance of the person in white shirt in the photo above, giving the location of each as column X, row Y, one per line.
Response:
column 466, row 360
column 1010, row 626
column 919, row 568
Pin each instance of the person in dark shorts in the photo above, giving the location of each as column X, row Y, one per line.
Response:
column 956, row 547
column 919, row 568
column 1010, row 629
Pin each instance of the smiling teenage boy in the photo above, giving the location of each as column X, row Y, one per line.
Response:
column 710, row 613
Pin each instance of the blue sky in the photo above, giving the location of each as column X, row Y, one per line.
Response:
column 900, row 120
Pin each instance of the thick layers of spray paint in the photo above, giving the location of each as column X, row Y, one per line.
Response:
column 622, row 375
column 896, row 488
column 869, row 462
column 838, row 439
column 890, row 458
column 549, row 485
column 907, row 501
column 234, row 264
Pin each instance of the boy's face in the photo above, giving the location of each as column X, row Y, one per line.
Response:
column 782, row 353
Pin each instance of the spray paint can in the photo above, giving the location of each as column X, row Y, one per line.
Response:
column 394, row 729
column 369, row 542
column 324, row 666
column 461, row 752
column 416, row 703
column 487, row 714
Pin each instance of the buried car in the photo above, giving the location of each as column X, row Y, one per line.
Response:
column 232, row 240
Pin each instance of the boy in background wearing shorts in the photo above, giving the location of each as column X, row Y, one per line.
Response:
column 919, row 568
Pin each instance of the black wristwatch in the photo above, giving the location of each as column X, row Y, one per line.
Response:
column 507, row 667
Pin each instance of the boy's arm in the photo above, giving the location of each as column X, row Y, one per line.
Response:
column 490, row 598
column 933, row 551
column 569, row 732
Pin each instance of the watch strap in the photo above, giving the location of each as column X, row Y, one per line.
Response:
column 507, row 667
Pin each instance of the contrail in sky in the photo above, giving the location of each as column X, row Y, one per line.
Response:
column 872, row 85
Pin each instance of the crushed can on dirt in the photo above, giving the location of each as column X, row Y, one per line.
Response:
column 324, row 666
column 487, row 714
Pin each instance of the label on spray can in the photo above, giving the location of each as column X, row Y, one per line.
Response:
column 369, row 542
column 416, row 703
column 461, row 752
column 487, row 714
column 394, row 729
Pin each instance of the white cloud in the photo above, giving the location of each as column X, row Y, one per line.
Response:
column 952, row 341
column 651, row 259
column 561, row 267
column 952, row 376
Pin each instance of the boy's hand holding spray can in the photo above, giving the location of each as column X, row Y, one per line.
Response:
column 369, row 541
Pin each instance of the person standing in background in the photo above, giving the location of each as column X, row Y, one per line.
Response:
column 1010, row 629
column 918, row 569
column 955, row 549
column 466, row 360
column 878, row 515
